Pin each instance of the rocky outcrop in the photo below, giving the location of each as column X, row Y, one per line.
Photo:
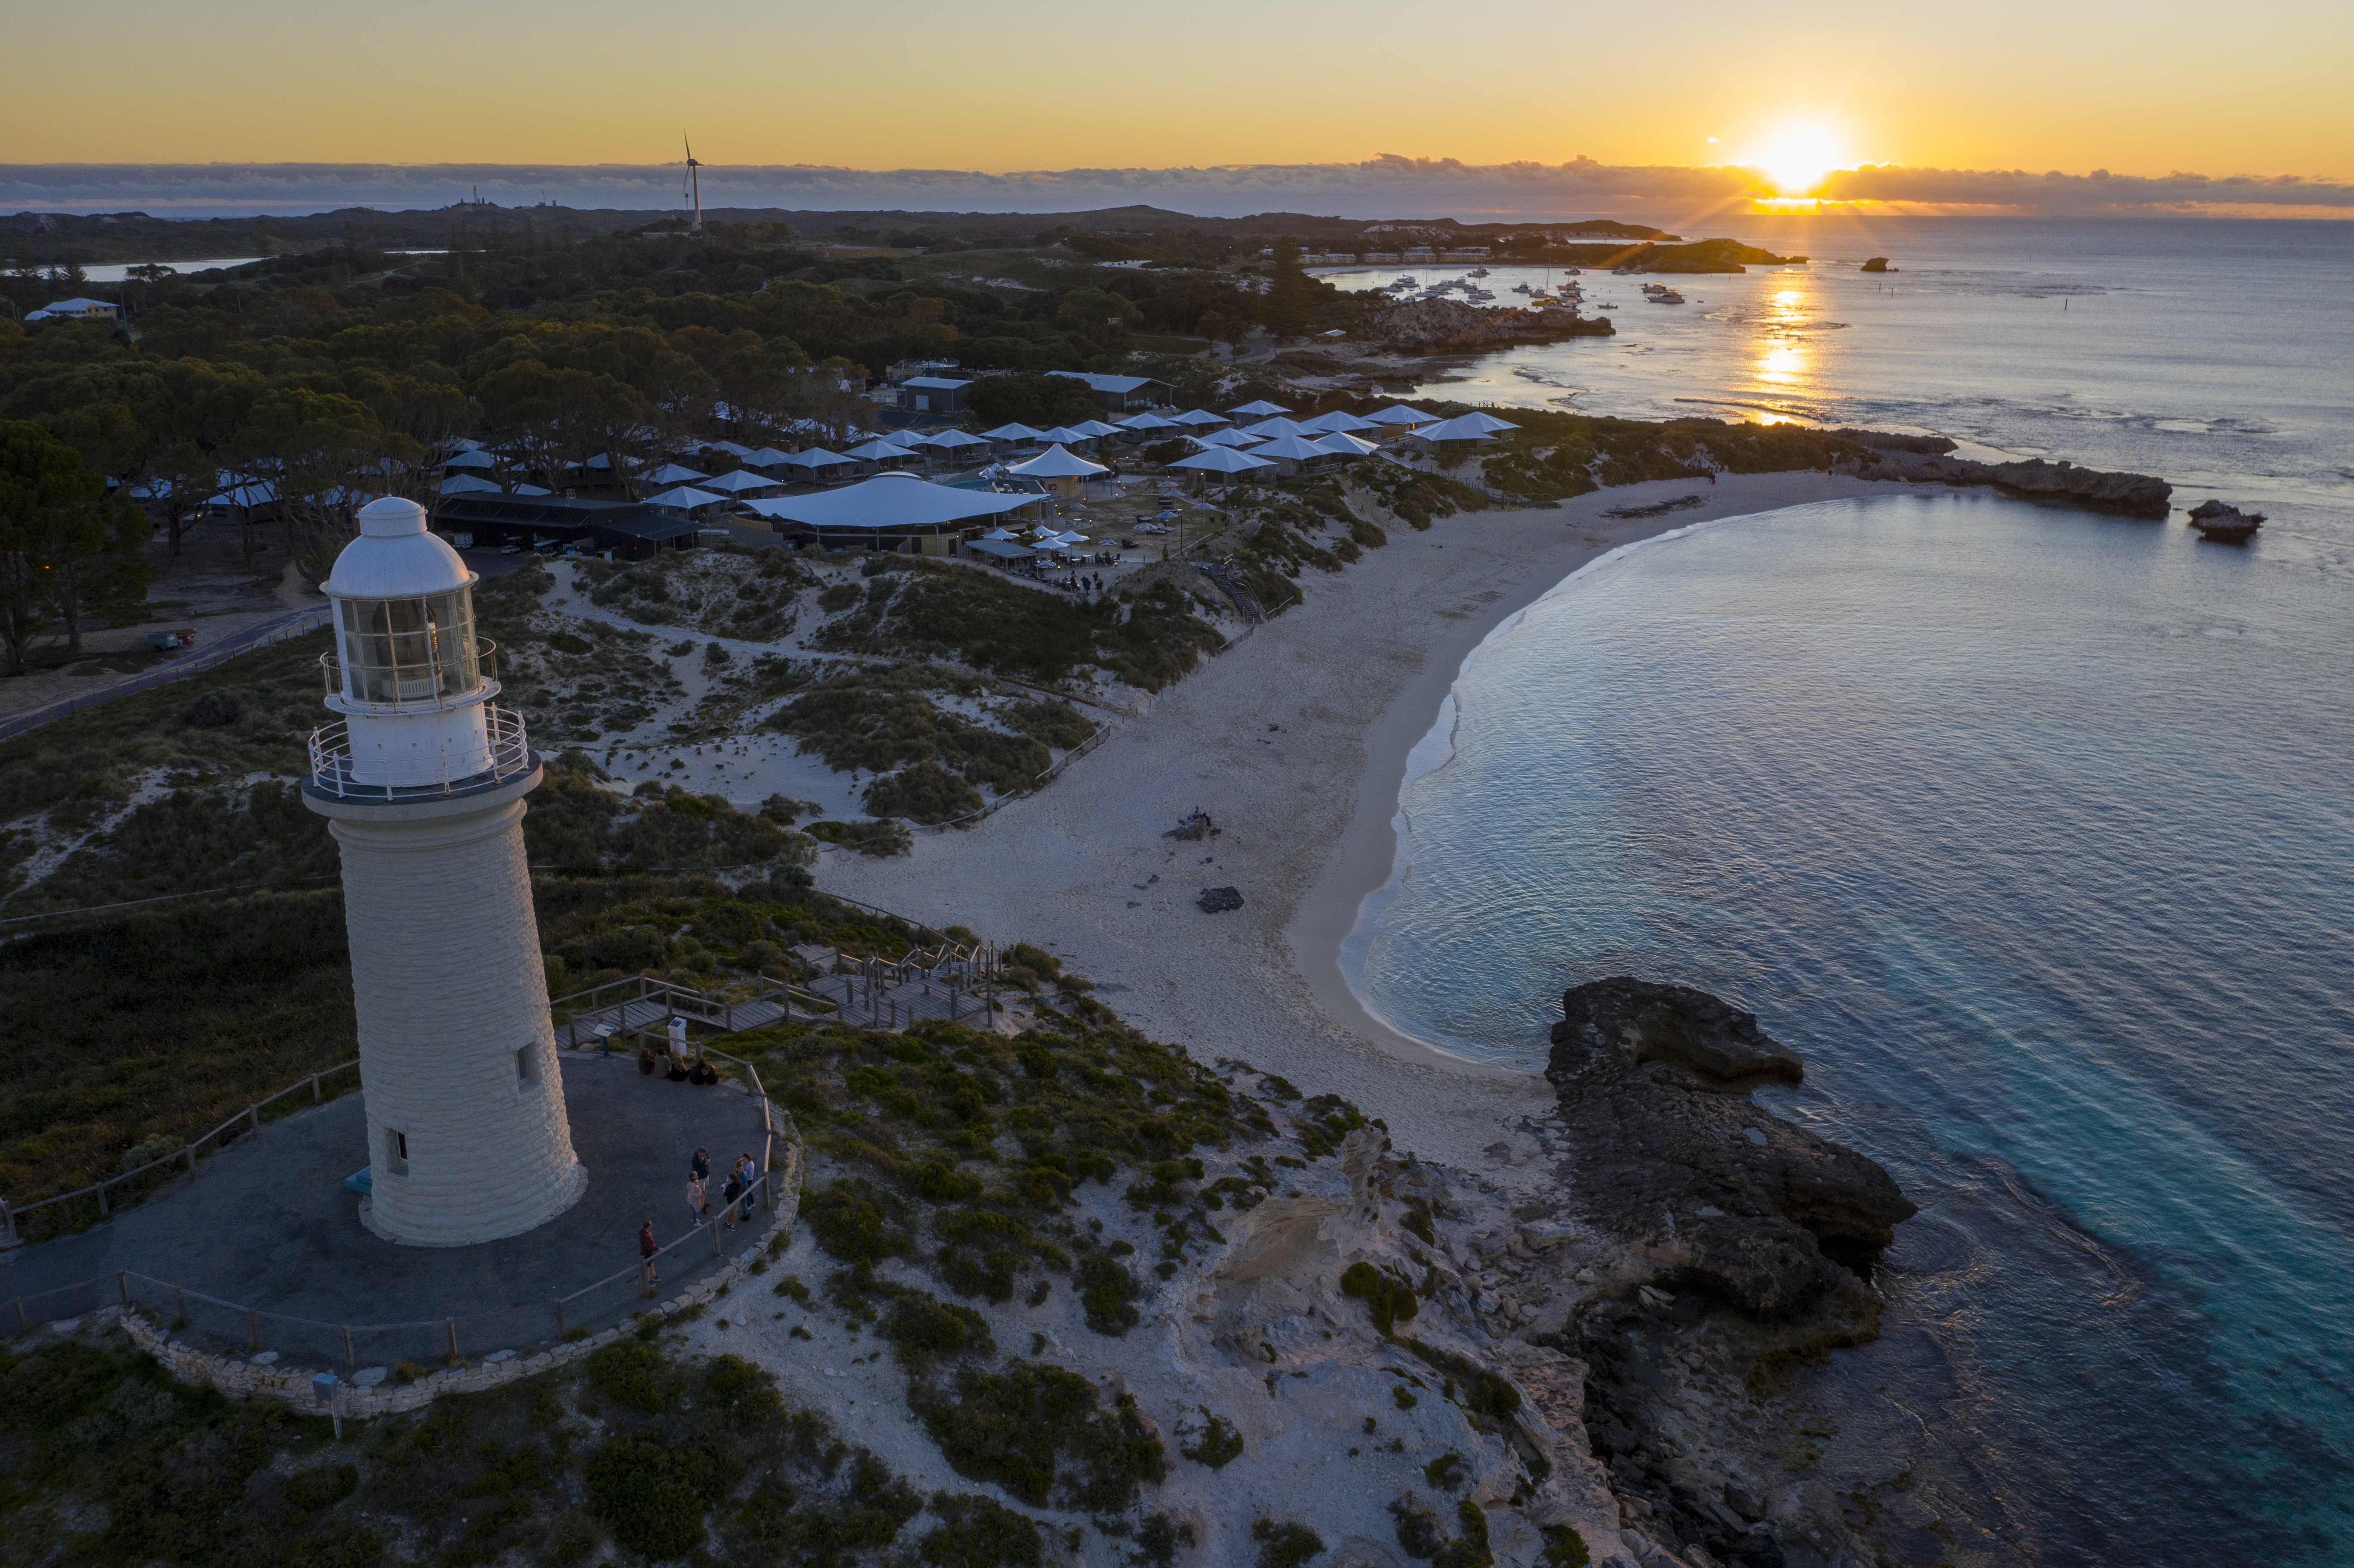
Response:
column 1878, row 264
column 1889, row 441
column 1672, row 1158
column 1434, row 325
column 2224, row 524
column 2127, row 494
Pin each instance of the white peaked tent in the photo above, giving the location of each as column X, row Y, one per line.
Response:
column 767, row 457
column 1221, row 460
column 1096, row 427
column 740, row 453
column 1267, row 430
column 1398, row 414
column 475, row 459
column 883, row 451
column 679, row 473
column 1339, row 420
column 817, row 458
column 1062, row 436
column 1001, row 535
column 686, row 498
column 1465, row 429
column 898, row 505
column 955, row 441
column 1487, row 422
column 735, row 481
column 1198, row 418
column 1055, row 462
column 1258, row 410
column 1227, row 438
column 467, row 484
column 1289, row 450
column 1340, row 443
column 1149, row 422
column 1010, row 433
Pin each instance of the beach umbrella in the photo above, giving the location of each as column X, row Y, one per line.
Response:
column 1258, row 410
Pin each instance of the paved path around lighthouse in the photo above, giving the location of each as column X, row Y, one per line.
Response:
column 269, row 1224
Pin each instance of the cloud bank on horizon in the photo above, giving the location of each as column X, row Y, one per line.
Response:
column 1385, row 186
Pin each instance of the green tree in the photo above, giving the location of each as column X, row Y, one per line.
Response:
column 317, row 450
column 66, row 550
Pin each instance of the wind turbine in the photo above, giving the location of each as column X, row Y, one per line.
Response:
column 694, row 183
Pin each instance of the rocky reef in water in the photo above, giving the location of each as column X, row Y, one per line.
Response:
column 2100, row 490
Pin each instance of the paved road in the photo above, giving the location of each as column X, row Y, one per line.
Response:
column 195, row 662
column 267, row 1223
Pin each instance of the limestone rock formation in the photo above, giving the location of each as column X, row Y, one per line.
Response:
column 2224, row 524
column 2129, row 494
column 1671, row 1157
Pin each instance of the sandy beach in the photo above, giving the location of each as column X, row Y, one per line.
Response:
column 1295, row 741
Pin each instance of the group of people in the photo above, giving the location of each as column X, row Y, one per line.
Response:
column 736, row 1194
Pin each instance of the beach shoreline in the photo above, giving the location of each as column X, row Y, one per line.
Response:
column 1295, row 741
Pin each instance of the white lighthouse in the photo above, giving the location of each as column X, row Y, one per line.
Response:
column 423, row 782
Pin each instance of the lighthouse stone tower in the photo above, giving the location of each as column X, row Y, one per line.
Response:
column 423, row 783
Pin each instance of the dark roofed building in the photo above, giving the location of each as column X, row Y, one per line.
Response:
column 633, row 530
column 1119, row 394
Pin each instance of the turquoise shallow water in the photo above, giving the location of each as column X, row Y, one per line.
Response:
column 2033, row 833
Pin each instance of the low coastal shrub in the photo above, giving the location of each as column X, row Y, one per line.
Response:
column 1036, row 1430
column 1285, row 1544
column 979, row 1532
column 1388, row 1300
column 1217, row 1445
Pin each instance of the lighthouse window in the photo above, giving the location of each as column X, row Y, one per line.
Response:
column 409, row 649
column 527, row 1066
column 396, row 1151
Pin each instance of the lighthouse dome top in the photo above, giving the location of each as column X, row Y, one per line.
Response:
column 395, row 557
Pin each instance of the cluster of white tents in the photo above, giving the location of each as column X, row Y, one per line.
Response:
column 1256, row 437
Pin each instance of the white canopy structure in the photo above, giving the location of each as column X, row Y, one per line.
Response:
column 881, row 451
column 475, row 459
column 1199, row 418
column 817, row 458
column 1010, row 433
column 1465, row 429
column 1221, row 460
column 1258, row 410
column 740, row 453
column 1056, row 463
column 1001, row 534
column 1096, row 427
column 679, row 473
column 767, row 457
column 686, row 498
column 1064, row 436
column 1339, row 419
column 1227, row 438
column 1340, row 443
column 1488, row 422
column 888, row 504
column 955, row 441
column 1398, row 414
column 1149, row 422
column 465, row 484
column 1290, row 449
column 735, row 481
column 1267, row 430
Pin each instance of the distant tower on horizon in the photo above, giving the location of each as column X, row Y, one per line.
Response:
column 423, row 784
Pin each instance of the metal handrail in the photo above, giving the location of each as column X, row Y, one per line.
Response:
column 250, row 1116
column 332, row 771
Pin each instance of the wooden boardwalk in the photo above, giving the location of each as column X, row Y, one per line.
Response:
column 877, row 995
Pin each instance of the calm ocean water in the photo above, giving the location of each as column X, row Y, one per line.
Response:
column 2033, row 832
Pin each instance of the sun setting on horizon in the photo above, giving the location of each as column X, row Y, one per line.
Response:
column 1798, row 158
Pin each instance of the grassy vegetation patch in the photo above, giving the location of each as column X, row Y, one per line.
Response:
column 1039, row 1431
